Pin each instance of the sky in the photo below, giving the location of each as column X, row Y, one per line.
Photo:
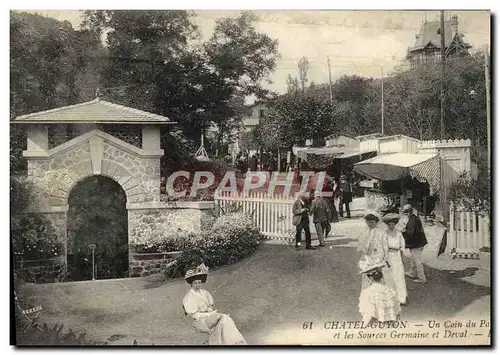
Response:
column 361, row 42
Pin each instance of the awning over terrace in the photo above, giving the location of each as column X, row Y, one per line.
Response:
column 321, row 158
column 386, row 167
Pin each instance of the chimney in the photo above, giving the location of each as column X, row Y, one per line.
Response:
column 454, row 24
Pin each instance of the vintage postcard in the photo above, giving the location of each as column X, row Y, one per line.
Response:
column 244, row 178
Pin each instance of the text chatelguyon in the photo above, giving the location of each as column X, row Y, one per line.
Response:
column 253, row 180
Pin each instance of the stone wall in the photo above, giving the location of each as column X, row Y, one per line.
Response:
column 55, row 172
column 142, row 268
column 164, row 219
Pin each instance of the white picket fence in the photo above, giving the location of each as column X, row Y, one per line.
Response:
column 468, row 232
column 272, row 214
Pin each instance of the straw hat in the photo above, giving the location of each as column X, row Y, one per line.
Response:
column 368, row 264
column 200, row 273
column 407, row 208
column 391, row 217
column 372, row 213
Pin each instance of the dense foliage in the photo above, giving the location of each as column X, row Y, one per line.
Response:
column 472, row 194
column 232, row 237
column 153, row 60
column 33, row 236
column 51, row 65
column 412, row 106
column 164, row 68
column 304, row 117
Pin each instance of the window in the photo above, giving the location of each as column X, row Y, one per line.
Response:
column 262, row 113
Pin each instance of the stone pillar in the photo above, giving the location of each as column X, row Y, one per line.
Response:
column 38, row 138
column 150, row 137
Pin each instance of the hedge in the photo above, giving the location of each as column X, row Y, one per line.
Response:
column 232, row 238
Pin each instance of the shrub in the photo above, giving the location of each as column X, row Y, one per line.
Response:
column 472, row 195
column 33, row 236
column 232, row 238
column 232, row 224
column 152, row 240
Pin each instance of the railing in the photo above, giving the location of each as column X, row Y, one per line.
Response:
column 266, row 211
column 468, row 231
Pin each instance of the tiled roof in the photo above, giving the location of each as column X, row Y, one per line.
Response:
column 429, row 34
column 95, row 111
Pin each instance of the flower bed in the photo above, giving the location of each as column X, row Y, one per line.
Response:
column 232, row 237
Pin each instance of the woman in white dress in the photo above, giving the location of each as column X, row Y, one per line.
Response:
column 396, row 245
column 199, row 306
column 372, row 244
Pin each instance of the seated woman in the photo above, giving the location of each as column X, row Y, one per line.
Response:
column 199, row 305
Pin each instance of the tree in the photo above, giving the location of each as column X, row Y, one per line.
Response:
column 466, row 114
column 294, row 118
column 357, row 103
column 292, row 84
column 147, row 56
column 51, row 65
column 241, row 55
column 196, row 86
column 303, row 68
column 412, row 102
column 250, row 140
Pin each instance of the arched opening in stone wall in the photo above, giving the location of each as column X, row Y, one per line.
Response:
column 97, row 215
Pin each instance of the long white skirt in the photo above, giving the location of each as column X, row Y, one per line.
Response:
column 224, row 332
column 398, row 275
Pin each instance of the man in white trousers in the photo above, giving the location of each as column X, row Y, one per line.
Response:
column 415, row 240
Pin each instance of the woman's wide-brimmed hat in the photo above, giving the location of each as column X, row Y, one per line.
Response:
column 200, row 273
column 367, row 265
column 391, row 217
column 407, row 208
column 372, row 213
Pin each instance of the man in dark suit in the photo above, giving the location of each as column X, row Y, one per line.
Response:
column 321, row 218
column 300, row 220
column 415, row 240
column 345, row 196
